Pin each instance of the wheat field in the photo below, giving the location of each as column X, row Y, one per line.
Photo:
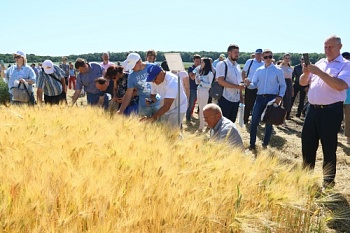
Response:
column 78, row 169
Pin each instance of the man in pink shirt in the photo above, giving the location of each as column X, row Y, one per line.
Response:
column 329, row 79
column 105, row 61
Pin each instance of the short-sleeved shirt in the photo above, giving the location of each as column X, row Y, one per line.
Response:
column 26, row 72
column 233, row 76
column 168, row 89
column 138, row 80
column 226, row 130
column 320, row 92
column 255, row 65
column 51, row 86
column 88, row 80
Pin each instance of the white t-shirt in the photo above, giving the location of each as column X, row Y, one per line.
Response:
column 168, row 89
column 233, row 76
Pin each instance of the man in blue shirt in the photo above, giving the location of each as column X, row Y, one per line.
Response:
column 269, row 80
column 221, row 128
column 138, row 80
column 88, row 73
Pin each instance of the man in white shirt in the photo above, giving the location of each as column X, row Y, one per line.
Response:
column 166, row 85
column 232, row 83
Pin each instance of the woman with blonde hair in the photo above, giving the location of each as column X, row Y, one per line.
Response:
column 288, row 73
column 20, row 75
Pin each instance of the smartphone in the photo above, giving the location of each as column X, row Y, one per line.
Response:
column 306, row 59
column 2, row 62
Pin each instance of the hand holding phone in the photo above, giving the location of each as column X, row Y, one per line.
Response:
column 2, row 63
column 306, row 59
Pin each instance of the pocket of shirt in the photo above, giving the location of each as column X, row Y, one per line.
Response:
column 333, row 72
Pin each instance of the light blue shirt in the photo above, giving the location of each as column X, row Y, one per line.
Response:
column 226, row 130
column 138, row 80
column 26, row 72
column 269, row 80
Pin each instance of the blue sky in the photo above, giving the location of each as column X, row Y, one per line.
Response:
column 81, row 26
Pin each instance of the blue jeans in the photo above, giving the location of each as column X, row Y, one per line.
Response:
column 93, row 99
column 191, row 102
column 148, row 110
column 229, row 109
column 258, row 109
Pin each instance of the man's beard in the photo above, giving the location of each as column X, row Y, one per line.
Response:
column 234, row 58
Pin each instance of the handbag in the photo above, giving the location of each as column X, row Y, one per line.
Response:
column 274, row 114
column 20, row 94
column 216, row 89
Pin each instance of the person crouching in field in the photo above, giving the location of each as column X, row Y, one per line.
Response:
column 119, row 81
column 221, row 128
column 88, row 72
column 51, row 81
column 166, row 84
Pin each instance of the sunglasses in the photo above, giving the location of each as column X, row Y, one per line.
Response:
column 268, row 57
column 17, row 57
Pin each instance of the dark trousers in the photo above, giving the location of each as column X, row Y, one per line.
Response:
column 229, row 109
column 249, row 100
column 56, row 99
column 297, row 88
column 322, row 124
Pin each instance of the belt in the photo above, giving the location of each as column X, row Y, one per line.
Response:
column 320, row 106
column 267, row 95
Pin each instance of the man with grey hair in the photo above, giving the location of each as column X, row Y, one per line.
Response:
column 221, row 128
column 329, row 79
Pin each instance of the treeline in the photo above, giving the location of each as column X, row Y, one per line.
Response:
column 186, row 56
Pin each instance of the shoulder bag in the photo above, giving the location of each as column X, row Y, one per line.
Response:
column 20, row 94
column 216, row 89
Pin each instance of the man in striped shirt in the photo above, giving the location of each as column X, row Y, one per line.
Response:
column 51, row 81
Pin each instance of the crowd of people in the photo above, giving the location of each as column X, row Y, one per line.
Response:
column 156, row 93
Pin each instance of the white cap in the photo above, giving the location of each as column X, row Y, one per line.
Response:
column 131, row 61
column 20, row 53
column 48, row 66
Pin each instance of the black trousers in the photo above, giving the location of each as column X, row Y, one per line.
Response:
column 249, row 100
column 322, row 124
column 57, row 99
column 299, row 89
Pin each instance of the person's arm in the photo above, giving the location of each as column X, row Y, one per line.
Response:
column 126, row 100
column 64, row 86
column 186, row 84
column 101, row 100
column 166, row 106
column 31, row 77
column 243, row 74
column 75, row 96
column 335, row 83
column 282, row 86
column 226, row 84
column 39, row 96
column 3, row 68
